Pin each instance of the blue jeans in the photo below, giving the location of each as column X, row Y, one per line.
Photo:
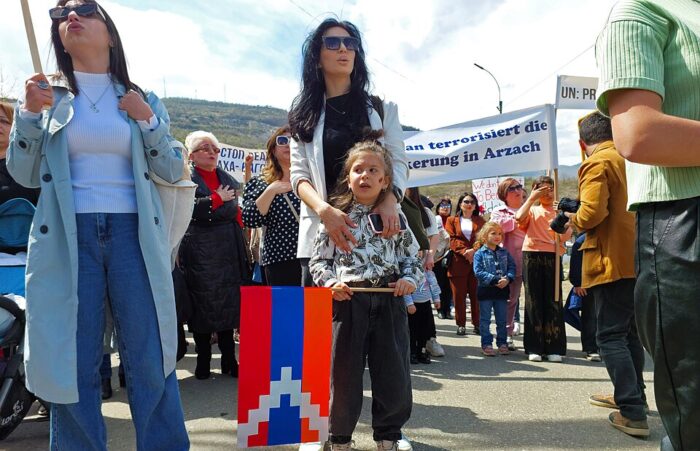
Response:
column 500, row 309
column 110, row 263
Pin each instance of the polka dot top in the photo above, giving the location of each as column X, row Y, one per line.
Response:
column 281, row 227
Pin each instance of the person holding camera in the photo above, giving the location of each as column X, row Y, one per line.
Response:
column 544, row 318
column 608, row 270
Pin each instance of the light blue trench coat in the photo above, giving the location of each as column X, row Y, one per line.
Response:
column 38, row 157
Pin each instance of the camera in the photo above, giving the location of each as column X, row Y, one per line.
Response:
column 565, row 205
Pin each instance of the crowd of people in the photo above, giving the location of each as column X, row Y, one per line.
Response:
column 333, row 208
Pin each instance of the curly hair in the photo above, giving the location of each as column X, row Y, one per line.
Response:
column 484, row 233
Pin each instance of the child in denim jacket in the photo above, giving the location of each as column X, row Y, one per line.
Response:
column 494, row 268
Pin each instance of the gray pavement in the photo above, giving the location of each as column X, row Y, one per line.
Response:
column 462, row 401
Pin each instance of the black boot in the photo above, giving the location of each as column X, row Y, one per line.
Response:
column 203, row 371
column 106, row 388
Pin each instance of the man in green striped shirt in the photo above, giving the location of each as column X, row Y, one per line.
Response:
column 649, row 60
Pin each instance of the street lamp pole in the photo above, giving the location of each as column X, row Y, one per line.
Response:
column 500, row 102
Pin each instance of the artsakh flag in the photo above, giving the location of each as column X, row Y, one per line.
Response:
column 284, row 365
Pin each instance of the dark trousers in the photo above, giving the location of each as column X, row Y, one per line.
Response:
column 370, row 328
column 461, row 286
column 445, row 289
column 287, row 273
column 306, row 279
column 224, row 338
column 544, row 318
column 588, row 324
column 620, row 346
column 667, row 306
column 421, row 326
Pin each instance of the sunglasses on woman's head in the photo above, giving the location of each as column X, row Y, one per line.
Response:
column 84, row 10
column 282, row 140
column 512, row 189
column 333, row 42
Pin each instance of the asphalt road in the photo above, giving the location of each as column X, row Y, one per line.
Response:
column 462, row 401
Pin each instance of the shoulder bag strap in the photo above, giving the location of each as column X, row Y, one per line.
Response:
column 291, row 206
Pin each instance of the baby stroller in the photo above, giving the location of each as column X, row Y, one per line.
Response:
column 15, row 400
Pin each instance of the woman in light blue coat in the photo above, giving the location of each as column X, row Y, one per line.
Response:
column 97, row 234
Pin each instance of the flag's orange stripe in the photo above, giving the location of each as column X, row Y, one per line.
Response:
column 318, row 311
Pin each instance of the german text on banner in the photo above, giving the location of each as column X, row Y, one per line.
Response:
column 510, row 143
column 284, row 365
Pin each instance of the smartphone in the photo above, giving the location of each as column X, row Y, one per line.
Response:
column 375, row 221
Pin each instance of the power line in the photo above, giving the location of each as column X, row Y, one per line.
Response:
column 553, row 73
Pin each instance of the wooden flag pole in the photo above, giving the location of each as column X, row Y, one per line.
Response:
column 31, row 38
column 367, row 290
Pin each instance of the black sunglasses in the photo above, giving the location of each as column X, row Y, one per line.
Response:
column 333, row 42
column 468, row 201
column 512, row 189
column 282, row 140
column 84, row 10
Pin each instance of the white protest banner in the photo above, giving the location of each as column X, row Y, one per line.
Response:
column 576, row 93
column 510, row 143
column 486, row 191
column 231, row 160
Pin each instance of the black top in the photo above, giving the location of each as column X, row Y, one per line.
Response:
column 9, row 189
column 281, row 226
column 342, row 129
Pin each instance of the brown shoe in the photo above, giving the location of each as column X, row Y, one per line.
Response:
column 603, row 401
column 635, row 428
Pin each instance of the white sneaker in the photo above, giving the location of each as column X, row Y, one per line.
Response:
column 516, row 328
column 311, row 446
column 404, row 444
column 434, row 349
column 534, row 358
column 554, row 358
column 593, row 357
column 387, row 445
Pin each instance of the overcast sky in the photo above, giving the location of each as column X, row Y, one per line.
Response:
column 420, row 52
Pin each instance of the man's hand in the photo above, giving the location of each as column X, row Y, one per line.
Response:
column 502, row 283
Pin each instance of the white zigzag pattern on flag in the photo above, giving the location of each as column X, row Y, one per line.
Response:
column 285, row 386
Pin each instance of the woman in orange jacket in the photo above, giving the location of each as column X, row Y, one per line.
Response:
column 463, row 228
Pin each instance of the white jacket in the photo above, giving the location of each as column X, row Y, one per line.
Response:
column 307, row 164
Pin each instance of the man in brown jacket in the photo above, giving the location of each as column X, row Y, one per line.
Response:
column 608, row 271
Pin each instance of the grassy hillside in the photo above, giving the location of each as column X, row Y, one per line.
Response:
column 240, row 125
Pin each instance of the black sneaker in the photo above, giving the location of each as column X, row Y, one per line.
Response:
column 423, row 357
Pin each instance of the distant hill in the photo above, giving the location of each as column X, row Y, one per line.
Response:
column 240, row 125
column 235, row 124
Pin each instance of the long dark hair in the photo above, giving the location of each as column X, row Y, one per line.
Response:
column 458, row 210
column 117, row 59
column 307, row 105
column 414, row 195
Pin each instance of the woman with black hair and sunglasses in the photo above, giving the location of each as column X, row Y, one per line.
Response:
column 463, row 228
column 333, row 112
column 268, row 201
column 90, row 142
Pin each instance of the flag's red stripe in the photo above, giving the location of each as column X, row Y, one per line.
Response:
column 318, row 311
column 254, row 360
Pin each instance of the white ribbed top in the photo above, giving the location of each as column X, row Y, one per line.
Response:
column 99, row 149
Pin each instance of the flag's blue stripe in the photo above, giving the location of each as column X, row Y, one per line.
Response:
column 287, row 350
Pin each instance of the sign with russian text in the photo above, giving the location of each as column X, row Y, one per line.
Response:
column 232, row 158
column 510, row 143
column 576, row 93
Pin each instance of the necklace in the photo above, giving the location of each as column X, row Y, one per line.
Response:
column 342, row 113
column 93, row 105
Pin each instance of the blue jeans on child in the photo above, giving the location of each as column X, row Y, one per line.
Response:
column 500, row 309
column 110, row 262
